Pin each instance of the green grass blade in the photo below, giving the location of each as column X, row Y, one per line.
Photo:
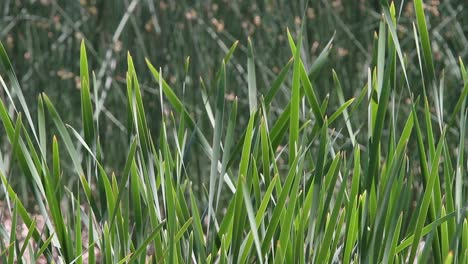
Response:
column 91, row 242
column 306, row 81
column 143, row 247
column 426, row 200
column 19, row 206
column 218, row 127
column 11, row 251
column 295, row 101
column 277, row 83
column 392, row 29
column 233, row 48
column 389, row 254
column 374, row 155
column 352, row 208
column 381, row 57
column 228, row 143
column 198, row 230
column 327, row 238
column 126, row 175
column 351, row 233
column 183, row 229
column 44, row 246
column 343, row 109
column 239, row 214
column 64, row 134
column 16, row 86
column 460, row 103
column 424, row 38
column 252, row 80
column 260, row 216
column 251, row 218
column 78, row 242
column 277, row 211
column 287, row 221
column 26, row 242
column 86, row 106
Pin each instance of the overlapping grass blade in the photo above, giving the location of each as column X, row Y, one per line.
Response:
column 295, row 100
column 218, row 127
column 426, row 200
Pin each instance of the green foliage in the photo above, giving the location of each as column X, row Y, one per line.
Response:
column 331, row 186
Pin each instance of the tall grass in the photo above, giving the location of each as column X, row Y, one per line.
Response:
column 379, row 177
column 42, row 35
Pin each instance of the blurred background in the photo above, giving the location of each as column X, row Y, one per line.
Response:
column 42, row 38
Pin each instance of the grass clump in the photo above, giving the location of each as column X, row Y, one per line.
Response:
column 379, row 178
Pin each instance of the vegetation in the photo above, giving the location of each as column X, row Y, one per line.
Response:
column 290, row 173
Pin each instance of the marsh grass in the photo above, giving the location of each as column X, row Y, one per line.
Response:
column 376, row 178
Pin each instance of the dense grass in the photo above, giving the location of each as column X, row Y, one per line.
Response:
column 43, row 37
column 312, row 175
